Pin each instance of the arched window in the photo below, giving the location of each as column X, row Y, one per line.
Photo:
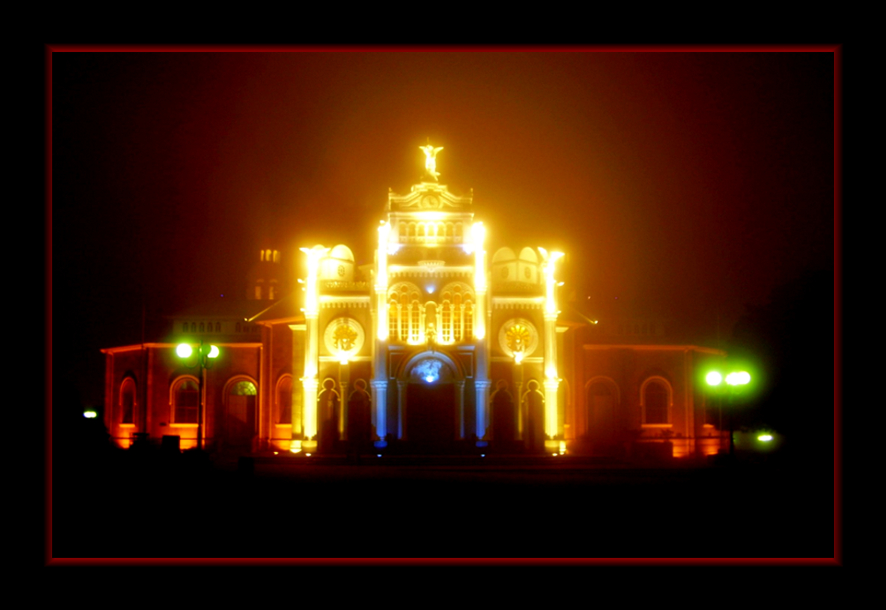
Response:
column 456, row 316
column 403, row 312
column 656, row 401
column 414, row 320
column 446, row 322
column 185, row 401
column 127, row 401
column 393, row 319
column 503, row 413
column 469, row 318
column 457, row 312
column 240, row 413
column 284, row 401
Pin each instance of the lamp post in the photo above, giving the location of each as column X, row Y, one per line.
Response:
column 205, row 355
column 735, row 380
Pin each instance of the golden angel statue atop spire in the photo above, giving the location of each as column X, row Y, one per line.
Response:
column 431, row 158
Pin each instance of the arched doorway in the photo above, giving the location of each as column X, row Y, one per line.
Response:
column 431, row 422
column 360, row 418
column 431, row 401
column 534, row 405
column 504, row 418
column 328, row 415
column 240, row 411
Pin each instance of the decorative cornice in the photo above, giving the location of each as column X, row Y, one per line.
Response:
column 653, row 347
column 344, row 304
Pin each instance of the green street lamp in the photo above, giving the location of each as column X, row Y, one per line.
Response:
column 205, row 355
column 735, row 382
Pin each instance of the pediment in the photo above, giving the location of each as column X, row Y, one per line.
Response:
column 429, row 196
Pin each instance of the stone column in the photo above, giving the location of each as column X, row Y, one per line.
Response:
column 402, row 386
column 310, row 384
column 518, row 402
column 460, row 409
column 482, row 388
column 551, row 412
column 312, row 346
column 379, row 410
column 344, row 376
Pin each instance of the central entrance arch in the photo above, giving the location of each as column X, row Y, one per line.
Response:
column 431, row 403
column 430, row 427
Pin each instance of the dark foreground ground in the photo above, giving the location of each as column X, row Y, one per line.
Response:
column 112, row 505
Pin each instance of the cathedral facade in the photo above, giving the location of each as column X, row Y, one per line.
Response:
column 434, row 347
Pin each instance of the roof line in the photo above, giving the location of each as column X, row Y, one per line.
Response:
column 708, row 350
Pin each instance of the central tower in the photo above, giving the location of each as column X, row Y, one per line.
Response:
column 420, row 326
column 430, row 319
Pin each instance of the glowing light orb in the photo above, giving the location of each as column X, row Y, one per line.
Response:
column 713, row 378
column 90, row 414
column 765, row 438
column 740, row 378
column 213, row 351
column 184, row 350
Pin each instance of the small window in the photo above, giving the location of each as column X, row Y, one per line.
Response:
column 284, row 401
column 655, row 403
column 244, row 388
column 127, row 402
column 186, row 406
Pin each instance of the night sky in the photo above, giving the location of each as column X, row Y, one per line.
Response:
column 689, row 184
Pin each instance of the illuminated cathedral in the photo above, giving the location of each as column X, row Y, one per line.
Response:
column 433, row 348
